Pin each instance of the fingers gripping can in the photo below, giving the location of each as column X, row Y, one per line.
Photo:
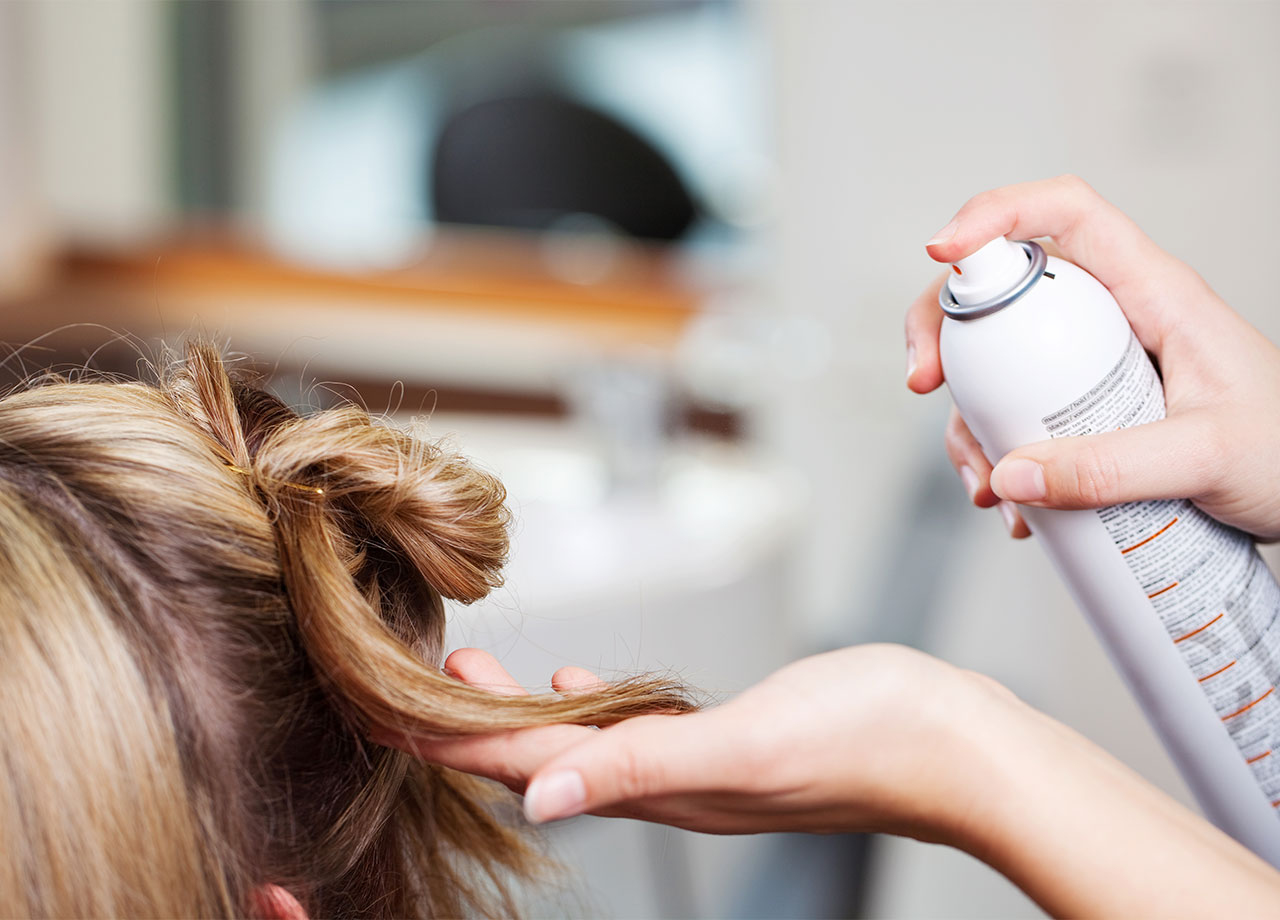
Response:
column 1034, row 347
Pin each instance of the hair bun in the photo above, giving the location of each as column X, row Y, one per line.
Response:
column 445, row 516
column 401, row 523
column 410, row 498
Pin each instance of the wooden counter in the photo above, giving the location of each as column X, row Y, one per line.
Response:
column 478, row 323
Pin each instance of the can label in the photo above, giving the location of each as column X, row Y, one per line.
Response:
column 1215, row 596
column 1129, row 394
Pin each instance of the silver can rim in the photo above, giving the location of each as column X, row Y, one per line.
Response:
column 1039, row 260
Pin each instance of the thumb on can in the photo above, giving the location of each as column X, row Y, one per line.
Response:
column 1171, row 458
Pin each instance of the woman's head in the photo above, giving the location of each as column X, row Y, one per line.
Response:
column 207, row 602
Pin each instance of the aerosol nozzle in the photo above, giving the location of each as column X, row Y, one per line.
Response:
column 995, row 268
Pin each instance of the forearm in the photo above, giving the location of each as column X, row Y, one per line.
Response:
column 888, row 739
column 1084, row 836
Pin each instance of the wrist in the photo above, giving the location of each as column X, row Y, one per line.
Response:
column 1007, row 754
column 987, row 736
column 942, row 778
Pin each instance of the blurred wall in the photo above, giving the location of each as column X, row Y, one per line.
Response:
column 96, row 90
column 277, row 57
column 23, row 228
column 890, row 115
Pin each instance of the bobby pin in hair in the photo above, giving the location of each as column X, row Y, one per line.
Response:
column 314, row 490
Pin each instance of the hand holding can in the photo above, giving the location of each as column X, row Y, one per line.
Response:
column 1032, row 346
column 1221, row 376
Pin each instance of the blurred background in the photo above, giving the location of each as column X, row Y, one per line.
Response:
column 648, row 262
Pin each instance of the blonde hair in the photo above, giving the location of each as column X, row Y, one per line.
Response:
column 207, row 602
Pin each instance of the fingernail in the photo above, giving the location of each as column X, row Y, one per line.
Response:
column 1010, row 515
column 970, row 480
column 911, row 361
column 559, row 795
column 944, row 234
column 1019, row 480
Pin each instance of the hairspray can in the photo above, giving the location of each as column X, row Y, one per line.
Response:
column 1034, row 347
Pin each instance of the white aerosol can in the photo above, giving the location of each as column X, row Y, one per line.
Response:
column 1034, row 347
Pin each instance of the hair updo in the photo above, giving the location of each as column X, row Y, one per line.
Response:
column 207, row 602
